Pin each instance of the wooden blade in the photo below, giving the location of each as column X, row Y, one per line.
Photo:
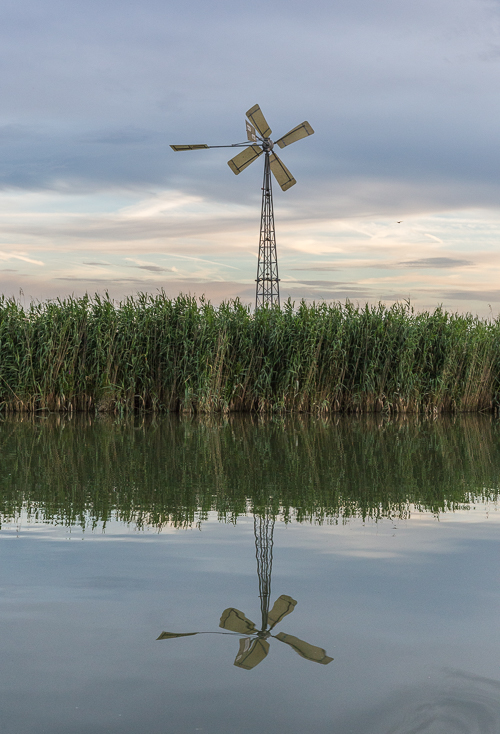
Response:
column 243, row 159
column 301, row 131
column 282, row 606
column 177, row 148
column 171, row 635
column 258, row 120
column 281, row 172
column 251, row 653
column 304, row 649
column 234, row 620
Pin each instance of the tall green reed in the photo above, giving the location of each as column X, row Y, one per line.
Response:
column 154, row 353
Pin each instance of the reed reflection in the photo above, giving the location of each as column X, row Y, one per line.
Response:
column 175, row 471
column 254, row 646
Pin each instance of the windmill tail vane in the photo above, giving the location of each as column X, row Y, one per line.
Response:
column 259, row 142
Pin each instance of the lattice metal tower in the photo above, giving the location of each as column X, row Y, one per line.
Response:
column 258, row 142
column 268, row 282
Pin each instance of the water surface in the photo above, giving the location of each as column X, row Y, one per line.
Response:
column 383, row 533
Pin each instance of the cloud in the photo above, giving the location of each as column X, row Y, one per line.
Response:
column 104, row 281
column 317, row 266
column 120, row 136
column 104, row 100
column 22, row 257
column 153, row 268
column 14, row 132
column 318, row 283
column 488, row 296
column 202, row 260
column 436, row 262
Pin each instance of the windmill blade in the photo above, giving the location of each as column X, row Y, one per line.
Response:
column 258, row 120
column 171, row 635
column 234, row 620
column 282, row 606
column 243, row 159
column 281, row 172
column 251, row 653
column 177, row 148
column 299, row 132
column 304, row 649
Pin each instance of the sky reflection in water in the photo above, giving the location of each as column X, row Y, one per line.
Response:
column 404, row 599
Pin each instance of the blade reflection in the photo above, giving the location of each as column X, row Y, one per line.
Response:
column 304, row 649
column 251, row 653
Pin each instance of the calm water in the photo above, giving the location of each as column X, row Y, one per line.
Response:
column 378, row 539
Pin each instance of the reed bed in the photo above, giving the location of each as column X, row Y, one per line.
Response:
column 152, row 353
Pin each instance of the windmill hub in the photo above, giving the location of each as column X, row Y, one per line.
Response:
column 267, row 144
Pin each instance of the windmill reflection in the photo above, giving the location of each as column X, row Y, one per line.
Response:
column 254, row 646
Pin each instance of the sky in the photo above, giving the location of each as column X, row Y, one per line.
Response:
column 398, row 191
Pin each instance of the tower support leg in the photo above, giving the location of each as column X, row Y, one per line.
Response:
column 268, row 289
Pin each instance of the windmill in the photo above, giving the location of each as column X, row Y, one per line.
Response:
column 258, row 142
column 254, row 645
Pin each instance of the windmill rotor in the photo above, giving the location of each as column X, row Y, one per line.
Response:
column 259, row 142
column 255, row 644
